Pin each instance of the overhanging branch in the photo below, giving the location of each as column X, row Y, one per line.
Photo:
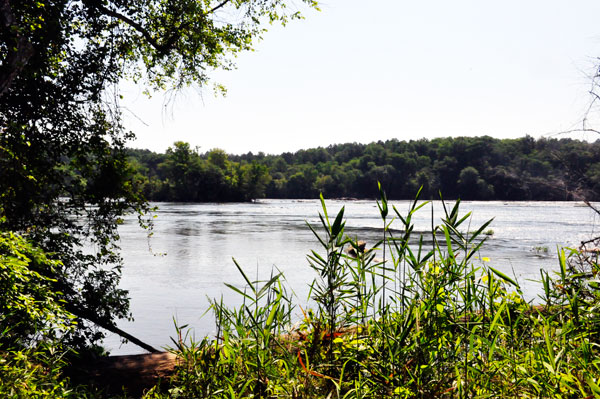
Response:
column 162, row 46
column 215, row 8
column 79, row 312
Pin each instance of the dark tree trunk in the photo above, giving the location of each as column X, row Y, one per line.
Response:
column 19, row 49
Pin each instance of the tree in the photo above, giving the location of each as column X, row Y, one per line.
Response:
column 472, row 187
column 180, row 168
column 64, row 178
column 218, row 157
column 254, row 179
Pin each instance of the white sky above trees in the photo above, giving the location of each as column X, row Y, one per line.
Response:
column 374, row 70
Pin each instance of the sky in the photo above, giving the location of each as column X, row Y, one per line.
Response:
column 363, row 71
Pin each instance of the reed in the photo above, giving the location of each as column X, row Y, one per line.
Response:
column 422, row 322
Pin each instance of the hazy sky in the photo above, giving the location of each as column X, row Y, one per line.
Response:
column 374, row 70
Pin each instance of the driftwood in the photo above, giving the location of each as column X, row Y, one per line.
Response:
column 133, row 374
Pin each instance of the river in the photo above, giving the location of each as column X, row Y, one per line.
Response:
column 189, row 256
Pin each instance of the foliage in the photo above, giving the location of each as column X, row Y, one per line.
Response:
column 32, row 320
column 30, row 310
column 448, row 325
column 35, row 373
column 64, row 175
column 470, row 168
column 185, row 175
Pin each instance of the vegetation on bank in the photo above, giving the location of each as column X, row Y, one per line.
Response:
column 410, row 316
column 470, row 168
column 427, row 320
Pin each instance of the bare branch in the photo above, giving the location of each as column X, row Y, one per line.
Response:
column 582, row 130
column 215, row 8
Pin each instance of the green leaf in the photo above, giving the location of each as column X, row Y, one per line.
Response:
column 238, row 291
column 479, row 230
column 504, row 277
column 497, row 318
column 562, row 261
column 244, row 275
column 273, row 312
column 268, row 285
column 593, row 386
column 337, row 224
column 448, row 242
column 316, row 235
column 324, row 207
column 383, row 206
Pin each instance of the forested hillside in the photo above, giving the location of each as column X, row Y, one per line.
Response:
column 472, row 168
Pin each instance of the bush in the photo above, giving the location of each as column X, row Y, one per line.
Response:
column 32, row 320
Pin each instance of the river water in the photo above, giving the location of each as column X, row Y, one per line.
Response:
column 189, row 257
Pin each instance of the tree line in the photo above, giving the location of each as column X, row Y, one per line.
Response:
column 470, row 168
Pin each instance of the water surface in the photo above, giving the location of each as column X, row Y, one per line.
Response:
column 199, row 241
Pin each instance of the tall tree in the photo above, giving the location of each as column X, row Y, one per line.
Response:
column 64, row 177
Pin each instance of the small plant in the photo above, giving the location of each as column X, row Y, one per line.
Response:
column 540, row 249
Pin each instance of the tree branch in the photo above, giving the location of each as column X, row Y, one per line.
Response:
column 215, row 8
column 582, row 130
column 135, row 25
column 85, row 314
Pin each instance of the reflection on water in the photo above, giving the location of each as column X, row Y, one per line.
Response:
column 200, row 241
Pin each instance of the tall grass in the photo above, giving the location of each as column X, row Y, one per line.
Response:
column 419, row 322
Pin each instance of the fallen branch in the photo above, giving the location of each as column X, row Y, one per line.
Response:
column 85, row 314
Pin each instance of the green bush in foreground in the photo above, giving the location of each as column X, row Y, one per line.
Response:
column 32, row 319
column 427, row 320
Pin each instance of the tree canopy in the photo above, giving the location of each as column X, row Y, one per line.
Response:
column 64, row 178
